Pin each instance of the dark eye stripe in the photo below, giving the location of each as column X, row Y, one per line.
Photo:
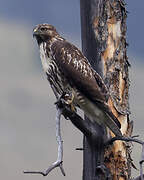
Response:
column 43, row 29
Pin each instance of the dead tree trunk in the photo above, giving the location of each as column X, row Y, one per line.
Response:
column 103, row 24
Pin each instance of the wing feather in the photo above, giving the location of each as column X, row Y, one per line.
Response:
column 81, row 75
column 78, row 70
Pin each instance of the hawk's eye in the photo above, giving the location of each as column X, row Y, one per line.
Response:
column 43, row 29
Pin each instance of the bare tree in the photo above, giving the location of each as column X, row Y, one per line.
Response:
column 103, row 24
column 105, row 157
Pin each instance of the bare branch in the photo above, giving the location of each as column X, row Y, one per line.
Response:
column 137, row 178
column 141, row 163
column 82, row 125
column 59, row 161
column 127, row 139
column 79, row 149
column 131, row 139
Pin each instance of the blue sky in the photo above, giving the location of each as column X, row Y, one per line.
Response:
column 64, row 15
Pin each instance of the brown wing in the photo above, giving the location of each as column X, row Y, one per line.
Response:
column 81, row 75
column 78, row 71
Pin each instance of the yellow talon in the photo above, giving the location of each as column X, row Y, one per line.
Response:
column 69, row 101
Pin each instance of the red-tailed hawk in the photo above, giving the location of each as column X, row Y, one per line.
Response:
column 71, row 76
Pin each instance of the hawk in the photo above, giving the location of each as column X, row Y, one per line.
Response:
column 72, row 77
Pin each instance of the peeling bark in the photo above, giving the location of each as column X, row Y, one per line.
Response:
column 110, row 30
column 104, row 44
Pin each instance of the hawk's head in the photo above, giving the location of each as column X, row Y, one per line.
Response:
column 44, row 32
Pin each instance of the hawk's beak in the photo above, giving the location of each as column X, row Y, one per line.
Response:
column 35, row 32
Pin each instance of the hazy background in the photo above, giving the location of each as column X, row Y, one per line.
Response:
column 27, row 113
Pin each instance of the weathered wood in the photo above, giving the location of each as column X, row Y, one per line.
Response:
column 93, row 155
column 103, row 24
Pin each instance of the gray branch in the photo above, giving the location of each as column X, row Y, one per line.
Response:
column 141, row 162
column 137, row 178
column 59, row 160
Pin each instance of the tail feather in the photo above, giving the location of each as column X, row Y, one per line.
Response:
column 108, row 111
column 108, row 121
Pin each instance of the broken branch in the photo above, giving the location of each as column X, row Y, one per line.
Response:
column 82, row 125
column 59, row 161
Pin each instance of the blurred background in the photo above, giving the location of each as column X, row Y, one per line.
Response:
column 27, row 113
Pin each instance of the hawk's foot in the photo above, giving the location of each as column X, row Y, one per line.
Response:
column 67, row 98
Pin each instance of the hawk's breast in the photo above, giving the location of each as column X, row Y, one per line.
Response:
column 45, row 60
column 55, row 77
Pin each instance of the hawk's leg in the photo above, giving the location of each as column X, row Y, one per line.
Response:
column 67, row 98
column 59, row 160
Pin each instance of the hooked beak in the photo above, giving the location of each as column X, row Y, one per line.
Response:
column 35, row 32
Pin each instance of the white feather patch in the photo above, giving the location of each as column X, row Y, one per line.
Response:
column 44, row 58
